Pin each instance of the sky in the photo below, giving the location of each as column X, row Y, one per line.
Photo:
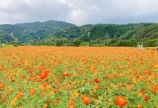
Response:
column 79, row 12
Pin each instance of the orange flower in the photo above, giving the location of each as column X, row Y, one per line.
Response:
column 43, row 74
column 2, row 85
column 56, row 101
column 45, row 105
column 45, row 86
column 128, row 87
column 97, row 87
column 71, row 106
column 32, row 91
column 120, row 101
column 141, row 92
column 12, row 103
column 38, row 79
column 4, row 99
column 119, row 85
column 71, row 101
column 156, row 66
column 49, row 101
column 42, row 95
column 31, row 72
column 139, row 106
column 40, row 67
column 68, row 87
column 154, row 90
column 19, row 95
column 134, row 80
column 85, row 99
column 22, row 77
column 74, row 94
column 115, row 75
column 156, row 86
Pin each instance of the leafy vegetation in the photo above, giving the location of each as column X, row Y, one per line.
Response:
column 119, row 35
column 59, row 33
column 30, row 32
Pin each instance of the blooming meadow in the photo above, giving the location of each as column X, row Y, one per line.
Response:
column 78, row 77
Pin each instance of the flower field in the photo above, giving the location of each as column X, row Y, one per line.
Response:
column 78, row 77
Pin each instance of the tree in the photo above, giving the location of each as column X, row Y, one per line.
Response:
column 59, row 42
column 76, row 42
column 125, row 43
column 150, row 43
column 113, row 42
column 133, row 42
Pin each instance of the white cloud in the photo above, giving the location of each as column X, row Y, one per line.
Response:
column 62, row 1
column 79, row 11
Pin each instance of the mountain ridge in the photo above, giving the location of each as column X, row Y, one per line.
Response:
column 29, row 32
column 52, row 32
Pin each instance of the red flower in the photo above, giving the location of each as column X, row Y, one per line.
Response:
column 65, row 75
column 96, row 80
column 85, row 100
column 43, row 74
column 120, row 101
column 146, row 98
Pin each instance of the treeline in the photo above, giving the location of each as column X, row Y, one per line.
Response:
column 111, row 42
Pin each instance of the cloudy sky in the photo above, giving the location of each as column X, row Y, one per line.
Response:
column 79, row 12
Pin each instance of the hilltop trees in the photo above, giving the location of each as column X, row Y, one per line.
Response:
column 64, row 34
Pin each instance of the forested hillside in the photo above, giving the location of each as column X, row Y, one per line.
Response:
column 30, row 32
column 119, row 35
column 61, row 33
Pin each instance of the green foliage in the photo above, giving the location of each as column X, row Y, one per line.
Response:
column 49, row 43
column 98, row 45
column 84, row 44
column 64, row 34
column 114, row 42
column 6, row 45
column 150, row 43
column 5, row 37
column 15, row 43
column 59, row 42
column 119, row 34
column 133, row 42
column 75, row 42
column 30, row 32
column 125, row 43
